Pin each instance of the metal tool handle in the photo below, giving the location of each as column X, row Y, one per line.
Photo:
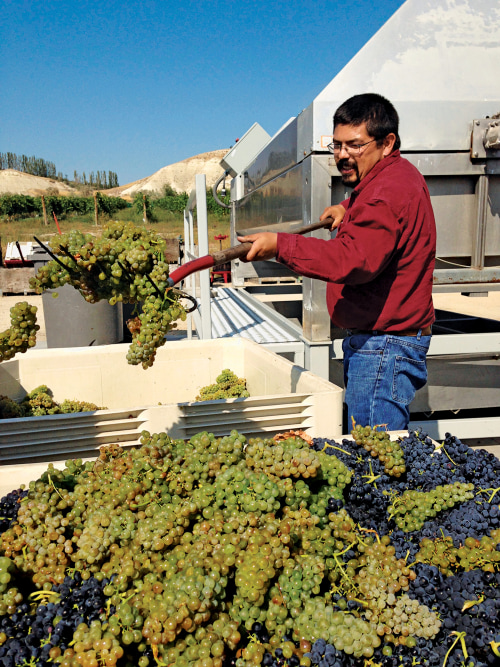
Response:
column 223, row 256
column 235, row 252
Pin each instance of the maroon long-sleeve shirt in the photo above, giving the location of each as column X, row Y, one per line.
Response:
column 379, row 266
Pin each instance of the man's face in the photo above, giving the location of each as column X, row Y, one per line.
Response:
column 353, row 168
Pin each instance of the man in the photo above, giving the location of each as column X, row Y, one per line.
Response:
column 379, row 267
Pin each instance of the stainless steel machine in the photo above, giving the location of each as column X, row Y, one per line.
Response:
column 438, row 61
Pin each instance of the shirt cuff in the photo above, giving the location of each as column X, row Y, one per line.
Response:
column 285, row 245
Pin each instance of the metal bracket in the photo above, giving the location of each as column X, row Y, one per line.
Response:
column 485, row 141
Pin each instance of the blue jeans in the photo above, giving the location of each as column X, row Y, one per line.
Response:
column 381, row 375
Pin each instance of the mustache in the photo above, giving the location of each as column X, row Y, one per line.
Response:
column 345, row 162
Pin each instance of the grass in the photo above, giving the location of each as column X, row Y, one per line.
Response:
column 169, row 225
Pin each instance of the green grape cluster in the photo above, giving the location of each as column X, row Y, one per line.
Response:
column 71, row 406
column 288, row 458
column 377, row 567
column 380, row 581
column 110, row 267
column 39, row 402
column 245, row 490
column 22, row 332
column 255, row 569
column 474, row 554
column 125, row 264
column 10, row 596
column 335, row 473
column 201, row 460
column 157, row 318
column 413, row 508
column 227, row 385
column 103, row 527
column 310, row 534
column 380, row 446
column 300, row 579
column 206, row 645
column 345, row 631
column 400, row 620
column 295, row 493
column 93, row 644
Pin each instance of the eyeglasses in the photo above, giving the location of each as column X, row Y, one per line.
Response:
column 350, row 149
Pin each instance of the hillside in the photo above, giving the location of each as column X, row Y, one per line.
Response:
column 180, row 176
column 18, row 183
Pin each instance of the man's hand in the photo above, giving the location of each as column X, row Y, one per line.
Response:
column 264, row 246
column 336, row 212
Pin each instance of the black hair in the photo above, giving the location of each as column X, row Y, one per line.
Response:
column 377, row 112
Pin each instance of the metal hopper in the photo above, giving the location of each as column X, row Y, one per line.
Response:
column 438, row 62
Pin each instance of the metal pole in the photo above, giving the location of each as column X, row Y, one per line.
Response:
column 479, row 239
column 187, row 252
column 202, row 219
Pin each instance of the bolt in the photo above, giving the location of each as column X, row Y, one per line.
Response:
column 475, row 154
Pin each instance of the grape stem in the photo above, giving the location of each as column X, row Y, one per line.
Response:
column 158, row 661
column 441, row 447
column 55, row 488
column 339, row 565
column 370, row 663
column 495, row 491
column 46, row 596
column 338, row 448
column 32, row 662
column 371, row 478
column 495, row 646
column 471, row 603
column 460, row 637
column 369, row 530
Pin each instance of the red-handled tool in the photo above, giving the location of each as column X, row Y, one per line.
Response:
column 223, row 256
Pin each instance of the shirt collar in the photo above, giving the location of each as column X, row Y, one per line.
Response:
column 375, row 171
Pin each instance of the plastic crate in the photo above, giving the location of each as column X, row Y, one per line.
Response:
column 18, row 254
column 283, row 396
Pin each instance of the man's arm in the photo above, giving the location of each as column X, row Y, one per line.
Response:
column 358, row 253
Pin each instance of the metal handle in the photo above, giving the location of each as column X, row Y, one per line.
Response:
column 235, row 252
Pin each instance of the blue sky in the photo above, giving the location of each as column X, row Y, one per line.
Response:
column 132, row 86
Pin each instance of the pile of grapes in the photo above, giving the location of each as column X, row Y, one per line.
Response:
column 227, row 385
column 217, row 552
column 40, row 401
column 22, row 333
column 125, row 264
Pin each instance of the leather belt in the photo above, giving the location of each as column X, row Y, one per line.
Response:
column 426, row 331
